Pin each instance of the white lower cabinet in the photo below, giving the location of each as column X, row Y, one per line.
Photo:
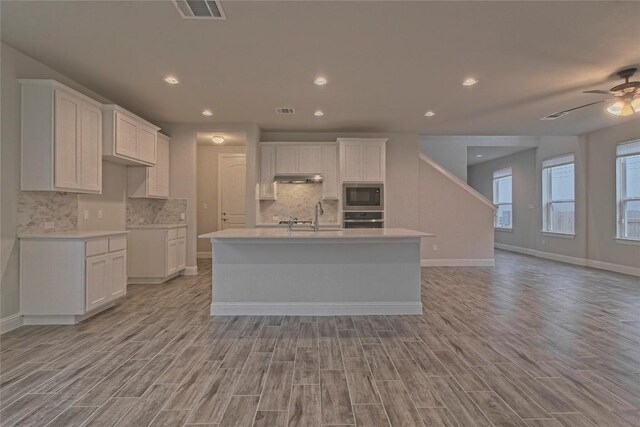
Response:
column 67, row 277
column 156, row 252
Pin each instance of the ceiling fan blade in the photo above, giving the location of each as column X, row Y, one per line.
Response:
column 582, row 106
column 599, row 92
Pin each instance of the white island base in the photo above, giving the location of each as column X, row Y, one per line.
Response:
column 356, row 271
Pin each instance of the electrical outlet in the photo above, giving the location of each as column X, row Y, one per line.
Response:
column 86, row 214
column 275, row 218
column 205, row 206
column 530, row 205
column 543, row 241
column 182, row 216
column 140, row 220
column 99, row 213
column 435, row 248
column 49, row 225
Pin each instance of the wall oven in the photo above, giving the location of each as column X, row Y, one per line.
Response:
column 362, row 197
column 363, row 220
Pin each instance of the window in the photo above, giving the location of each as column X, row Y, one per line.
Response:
column 502, row 196
column 558, row 195
column 628, row 190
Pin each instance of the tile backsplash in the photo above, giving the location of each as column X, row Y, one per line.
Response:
column 35, row 208
column 155, row 211
column 297, row 200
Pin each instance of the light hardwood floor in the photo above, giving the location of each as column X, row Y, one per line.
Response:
column 526, row 343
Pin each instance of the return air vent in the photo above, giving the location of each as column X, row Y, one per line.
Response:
column 200, row 9
column 555, row 115
column 285, row 110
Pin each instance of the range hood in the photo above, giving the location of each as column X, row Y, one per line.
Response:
column 298, row 178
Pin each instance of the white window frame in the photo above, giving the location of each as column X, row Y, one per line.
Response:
column 621, row 181
column 547, row 200
column 498, row 175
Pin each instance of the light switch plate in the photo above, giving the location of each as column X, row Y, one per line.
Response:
column 86, row 214
column 275, row 218
column 205, row 206
column 99, row 213
column 140, row 220
column 182, row 216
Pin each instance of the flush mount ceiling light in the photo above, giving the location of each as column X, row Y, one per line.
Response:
column 207, row 113
column 172, row 80
column 318, row 113
column 469, row 82
column 429, row 114
column 217, row 140
column 320, row 81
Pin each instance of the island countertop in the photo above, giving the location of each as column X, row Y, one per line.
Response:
column 351, row 233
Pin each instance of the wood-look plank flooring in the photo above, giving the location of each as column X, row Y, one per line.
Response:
column 526, row 343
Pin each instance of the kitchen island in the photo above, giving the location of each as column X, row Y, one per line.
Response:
column 351, row 271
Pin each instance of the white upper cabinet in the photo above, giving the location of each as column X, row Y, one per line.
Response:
column 298, row 158
column 286, row 159
column 267, row 172
column 61, row 137
column 151, row 181
column 330, row 183
column 127, row 138
column 362, row 159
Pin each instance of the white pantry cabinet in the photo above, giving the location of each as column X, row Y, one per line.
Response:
column 151, row 181
column 157, row 252
column 362, row 159
column 67, row 277
column 267, row 172
column 61, row 139
column 127, row 138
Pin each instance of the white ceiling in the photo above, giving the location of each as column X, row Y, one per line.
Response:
column 387, row 62
column 490, row 153
column 230, row 138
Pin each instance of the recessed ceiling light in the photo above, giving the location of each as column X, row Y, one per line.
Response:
column 318, row 113
column 429, row 114
column 172, row 80
column 217, row 139
column 320, row 81
column 469, row 82
column 207, row 113
column 478, row 155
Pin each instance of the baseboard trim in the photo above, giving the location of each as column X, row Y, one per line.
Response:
column 203, row 254
column 457, row 262
column 616, row 268
column 190, row 271
column 10, row 323
column 314, row 309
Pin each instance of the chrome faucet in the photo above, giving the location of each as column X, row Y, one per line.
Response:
column 292, row 220
column 318, row 211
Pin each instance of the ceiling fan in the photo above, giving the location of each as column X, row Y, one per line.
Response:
column 624, row 98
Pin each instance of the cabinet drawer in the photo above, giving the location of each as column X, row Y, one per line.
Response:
column 182, row 232
column 96, row 247
column 172, row 234
column 117, row 243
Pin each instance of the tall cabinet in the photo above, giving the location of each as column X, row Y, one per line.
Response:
column 61, row 139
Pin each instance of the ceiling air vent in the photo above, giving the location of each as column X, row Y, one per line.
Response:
column 285, row 110
column 200, row 9
column 555, row 115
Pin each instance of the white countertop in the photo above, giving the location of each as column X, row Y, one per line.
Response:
column 277, row 233
column 71, row 234
column 155, row 226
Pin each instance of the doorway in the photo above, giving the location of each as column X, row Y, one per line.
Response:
column 232, row 175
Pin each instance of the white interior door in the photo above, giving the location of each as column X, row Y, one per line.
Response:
column 232, row 173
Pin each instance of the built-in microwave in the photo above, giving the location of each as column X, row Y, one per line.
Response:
column 362, row 197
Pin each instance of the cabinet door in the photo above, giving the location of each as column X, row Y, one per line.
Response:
column 159, row 174
column 91, row 148
column 126, row 135
column 352, row 161
column 172, row 256
column 310, row 158
column 118, row 274
column 96, row 281
column 373, row 162
column 182, row 254
column 329, row 172
column 146, row 140
column 267, row 171
column 286, row 159
column 67, row 159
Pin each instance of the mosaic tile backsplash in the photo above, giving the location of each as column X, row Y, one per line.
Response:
column 35, row 208
column 155, row 211
column 297, row 200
